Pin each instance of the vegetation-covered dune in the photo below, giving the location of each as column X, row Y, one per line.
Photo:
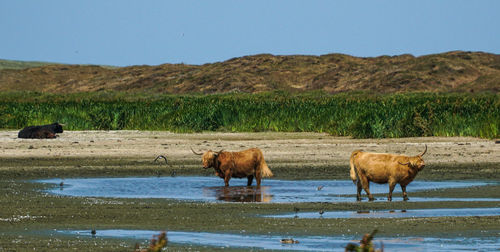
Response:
column 16, row 64
column 453, row 71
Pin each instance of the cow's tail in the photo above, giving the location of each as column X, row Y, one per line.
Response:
column 354, row 177
column 264, row 169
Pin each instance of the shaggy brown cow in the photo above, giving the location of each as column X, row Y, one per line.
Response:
column 384, row 168
column 248, row 163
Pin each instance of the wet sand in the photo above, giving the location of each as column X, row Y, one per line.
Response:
column 289, row 155
column 314, row 148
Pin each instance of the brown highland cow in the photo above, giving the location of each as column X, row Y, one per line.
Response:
column 248, row 163
column 384, row 168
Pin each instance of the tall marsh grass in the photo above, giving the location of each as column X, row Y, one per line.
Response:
column 349, row 114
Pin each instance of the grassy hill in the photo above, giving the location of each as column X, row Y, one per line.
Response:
column 333, row 73
column 16, row 64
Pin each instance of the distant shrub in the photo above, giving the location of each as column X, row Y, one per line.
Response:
column 156, row 245
column 365, row 245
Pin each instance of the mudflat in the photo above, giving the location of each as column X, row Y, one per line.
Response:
column 28, row 213
column 118, row 151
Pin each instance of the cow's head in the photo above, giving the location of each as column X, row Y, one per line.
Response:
column 416, row 162
column 58, row 128
column 208, row 158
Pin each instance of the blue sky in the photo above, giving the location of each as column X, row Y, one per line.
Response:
column 121, row 33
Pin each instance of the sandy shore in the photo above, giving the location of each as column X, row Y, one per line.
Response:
column 280, row 149
column 312, row 148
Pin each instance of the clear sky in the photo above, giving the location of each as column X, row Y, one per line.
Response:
column 124, row 32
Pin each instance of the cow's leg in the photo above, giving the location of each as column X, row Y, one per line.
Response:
column 366, row 185
column 358, row 196
column 227, row 177
column 250, row 180
column 405, row 195
column 367, row 189
column 258, row 178
column 392, row 184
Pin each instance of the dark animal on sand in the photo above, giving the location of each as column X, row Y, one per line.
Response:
column 242, row 164
column 384, row 168
column 41, row 132
column 44, row 133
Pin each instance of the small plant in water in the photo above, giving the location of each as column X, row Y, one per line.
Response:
column 157, row 243
column 365, row 245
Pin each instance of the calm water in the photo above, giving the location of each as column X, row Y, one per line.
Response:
column 411, row 213
column 306, row 243
column 211, row 189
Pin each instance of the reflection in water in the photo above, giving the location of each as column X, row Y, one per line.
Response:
column 209, row 189
column 363, row 211
column 410, row 213
column 238, row 193
column 306, row 243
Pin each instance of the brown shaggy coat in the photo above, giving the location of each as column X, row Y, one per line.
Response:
column 248, row 163
column 384, row 168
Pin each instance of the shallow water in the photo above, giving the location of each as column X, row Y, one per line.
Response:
column 411, row 213
column 210, row 189
column 306, row 243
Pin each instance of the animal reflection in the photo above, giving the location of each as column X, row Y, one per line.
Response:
column 239, row 193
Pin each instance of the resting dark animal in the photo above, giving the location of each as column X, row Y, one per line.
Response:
column 43, row 131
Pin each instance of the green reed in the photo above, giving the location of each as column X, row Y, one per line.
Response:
column 350, row 114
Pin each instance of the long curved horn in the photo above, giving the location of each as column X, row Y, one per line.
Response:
column 161, row 156
column 195, row 151
column 424, row 151
column 404, row 163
